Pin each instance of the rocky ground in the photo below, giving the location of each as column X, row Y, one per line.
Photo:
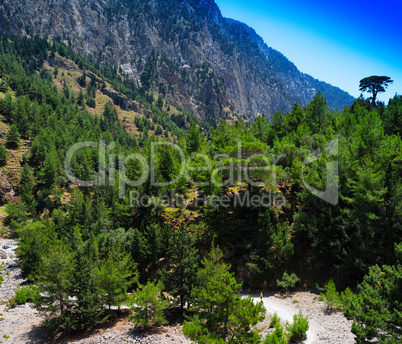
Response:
column 22, row 324
column 324, row 327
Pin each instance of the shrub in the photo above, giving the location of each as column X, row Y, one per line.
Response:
column 91, row 102
column 288, row 282
column 297, row 331
column 275, row 321
column 331, row 296
column 25, row 294
column 276, row 337
column 347, row 297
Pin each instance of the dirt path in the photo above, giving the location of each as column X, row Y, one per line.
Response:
column 324, row 327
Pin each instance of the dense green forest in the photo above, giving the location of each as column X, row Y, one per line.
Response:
column 85, row 247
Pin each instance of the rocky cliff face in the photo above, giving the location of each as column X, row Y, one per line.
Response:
column 183, row 49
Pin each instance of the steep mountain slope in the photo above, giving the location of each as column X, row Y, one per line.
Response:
column 183, row 49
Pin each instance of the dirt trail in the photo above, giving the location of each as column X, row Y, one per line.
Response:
column 324, row 327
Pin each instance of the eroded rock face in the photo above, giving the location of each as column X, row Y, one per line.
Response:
column 205, row 63
column 6, row 191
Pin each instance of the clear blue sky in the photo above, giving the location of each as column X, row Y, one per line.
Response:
column 339, row 42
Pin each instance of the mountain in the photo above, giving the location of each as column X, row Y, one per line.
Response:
column 184, row 50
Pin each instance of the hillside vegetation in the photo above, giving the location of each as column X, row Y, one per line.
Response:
column 84, row 247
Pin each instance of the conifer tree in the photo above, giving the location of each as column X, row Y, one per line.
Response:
column 180, row 275
column 88, row 308
column 114, row 275
column 148, row 305
column 13, row 136
column 3, row 155
column 27, row 187
column 221, row 312
column 54, row 280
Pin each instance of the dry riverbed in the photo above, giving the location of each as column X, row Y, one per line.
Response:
column 22, row 324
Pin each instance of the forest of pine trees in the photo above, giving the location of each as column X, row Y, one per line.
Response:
column 85, row 254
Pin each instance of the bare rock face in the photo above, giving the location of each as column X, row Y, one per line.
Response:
column 183, row 49
column 6, row 191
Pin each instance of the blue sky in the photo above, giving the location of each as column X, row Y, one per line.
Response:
column 339, row 42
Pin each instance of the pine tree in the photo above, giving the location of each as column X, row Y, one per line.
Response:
column 331, row 296
column 81, row 98
column 54, row 281
column 110, row 114
column 376, row 309
column 221, row 312
column 83, row 287
column 195, row 139
column 114, row 275
column 180, row 275
column 316, row 112
column 13, row 136
column 3, row 155
column 27, row 188
column 51, row 167
column 148, row 305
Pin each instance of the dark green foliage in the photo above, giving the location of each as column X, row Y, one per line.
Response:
column 17, row 213
column 375, row 310
column 90, row 101
column 180, row 275
column 221, row 312
column 316, row 113
column 13, row 136
column 53, row 280
column 27, row 184
column 273, row 247
column 393, row 116
column 88, row 309
column 195, row 140
column 3, row 155
column 110, row 114
column 374, row 84
column 288, row 282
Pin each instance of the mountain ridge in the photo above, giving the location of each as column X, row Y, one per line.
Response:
column 210, row 65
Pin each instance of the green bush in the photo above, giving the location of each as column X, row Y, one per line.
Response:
column 347, row 297
column 25, row 294
column 276, row 337
column 288, row 282
column 297, row 331
column 331, row 296
column 275, row 321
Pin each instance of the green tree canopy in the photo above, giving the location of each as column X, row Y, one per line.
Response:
column 375, row 84
column 222, row 315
